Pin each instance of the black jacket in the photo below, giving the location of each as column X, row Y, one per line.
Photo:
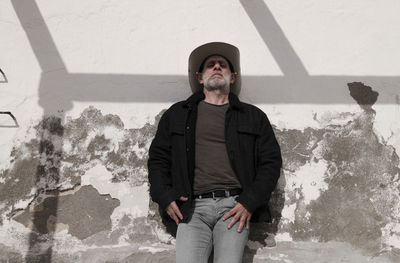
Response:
column 251, row 146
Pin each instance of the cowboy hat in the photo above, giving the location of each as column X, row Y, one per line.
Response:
column 197, row 57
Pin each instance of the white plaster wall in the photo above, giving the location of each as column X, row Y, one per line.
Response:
column 154, row 38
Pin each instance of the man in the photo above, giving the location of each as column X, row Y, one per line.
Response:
column 214, row 160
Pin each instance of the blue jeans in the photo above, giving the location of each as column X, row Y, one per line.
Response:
column 205, row 230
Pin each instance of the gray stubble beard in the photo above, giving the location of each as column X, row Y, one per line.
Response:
column 217, row 84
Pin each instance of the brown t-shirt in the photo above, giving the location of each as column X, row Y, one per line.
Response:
column 212, row 170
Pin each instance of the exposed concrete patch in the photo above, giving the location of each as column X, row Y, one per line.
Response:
column 148, row 256
column 353, row 196
column 354, row 193
column 305, row 252
column 87, row 142
column 33, row 166
column 361, row 176
column 9, row 255
column 138, row 231
column 94, row 138
column 76, row 147
column 67, row 152
column 360, row 192
column 18, row 182
column 83, row 213
column 116, row 254
column 297, row 146
column 141, row 231
column 133, row 199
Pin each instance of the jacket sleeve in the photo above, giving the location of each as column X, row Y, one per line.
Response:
column 159, row 166
column 268, row 164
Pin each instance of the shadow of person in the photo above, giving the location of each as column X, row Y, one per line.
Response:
column 263, row 233
column 159, row 219
column 45, row 204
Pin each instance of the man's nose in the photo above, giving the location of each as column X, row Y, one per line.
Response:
column 217, row 66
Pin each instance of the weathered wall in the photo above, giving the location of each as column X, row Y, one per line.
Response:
column 87, row 82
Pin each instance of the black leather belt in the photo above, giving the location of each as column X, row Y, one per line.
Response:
column 219, row 193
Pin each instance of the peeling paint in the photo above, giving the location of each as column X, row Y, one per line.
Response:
column 134, row 200
column 111, row 145
column 85, row 212
column 310, row 179
column 339, row 182
column 358, row 186
column 8, row 254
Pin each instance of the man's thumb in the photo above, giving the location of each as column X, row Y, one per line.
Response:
column 182, row 198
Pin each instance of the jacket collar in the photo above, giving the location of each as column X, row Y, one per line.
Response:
column 234, row 101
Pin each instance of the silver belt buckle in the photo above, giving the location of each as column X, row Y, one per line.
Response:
column 227, row 194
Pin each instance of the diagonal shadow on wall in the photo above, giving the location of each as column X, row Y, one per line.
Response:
column 58, row 89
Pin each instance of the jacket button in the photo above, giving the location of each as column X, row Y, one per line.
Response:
column 187, row 127
column 187, row 149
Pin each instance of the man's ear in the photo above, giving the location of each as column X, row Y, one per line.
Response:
column 199, row 77
column 233, row 77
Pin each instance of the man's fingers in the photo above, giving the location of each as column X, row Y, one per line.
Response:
column 233, row 221
column 241, row 224
column 171, row 214
column 248, row 222
column 182, row 198
column 177, row 212
column 229, row 214
column 175, row 209
column 175, row 218
column 174, row 212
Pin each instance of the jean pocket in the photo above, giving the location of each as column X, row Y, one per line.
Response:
column 232, row 200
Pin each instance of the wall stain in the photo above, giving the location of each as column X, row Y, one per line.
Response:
column 33, row 166
column 88, row 140
column 361, row 170
column 362, row 197
column 8, row 254
column 84, row 213
column 363, row 193
column 108, row 143
column 363, row 94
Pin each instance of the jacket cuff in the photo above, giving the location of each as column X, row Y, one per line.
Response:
column 249, row 203
column 167, row 198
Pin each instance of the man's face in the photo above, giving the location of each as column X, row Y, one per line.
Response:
column 216, row 74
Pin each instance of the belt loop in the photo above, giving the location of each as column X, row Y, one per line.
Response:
column 213, row 195
column 227, row 194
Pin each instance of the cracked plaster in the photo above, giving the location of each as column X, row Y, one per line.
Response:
column 354, row 199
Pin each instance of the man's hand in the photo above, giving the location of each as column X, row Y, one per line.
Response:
column 239, row 212
column 173, row 210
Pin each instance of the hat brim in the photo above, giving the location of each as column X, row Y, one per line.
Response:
column 226, row 50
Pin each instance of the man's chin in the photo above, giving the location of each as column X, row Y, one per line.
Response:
column 214, row 88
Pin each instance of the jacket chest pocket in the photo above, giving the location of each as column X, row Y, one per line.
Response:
column 177, row 136
column 247, row 135
column 249, row 130
column 177, row 128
